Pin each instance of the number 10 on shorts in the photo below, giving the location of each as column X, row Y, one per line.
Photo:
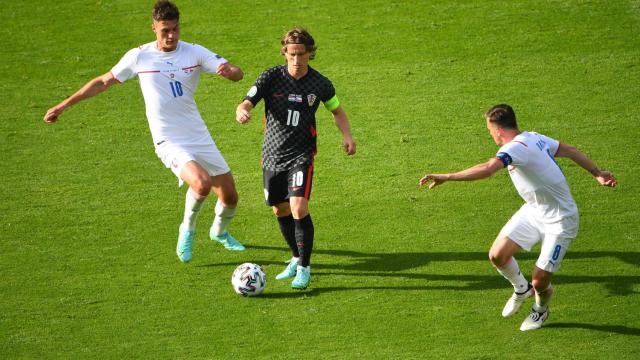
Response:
column 297, row 179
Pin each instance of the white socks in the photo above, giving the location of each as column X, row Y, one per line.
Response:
column 222, row 219
column 542, row 299
column 511, row 272
column 192, row 205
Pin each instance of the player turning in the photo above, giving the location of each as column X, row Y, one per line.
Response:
column 292, row 94
column 169, row 71
column 549, row 213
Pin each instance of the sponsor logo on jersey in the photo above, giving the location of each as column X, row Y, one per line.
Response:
column 278, row 94
column 295, row 98
column 311, row 99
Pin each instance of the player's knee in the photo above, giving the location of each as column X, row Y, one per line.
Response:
column 299, row 207
column 202, row 185
column 281, row 210
column 539, row 285
column 540, row 282
column 230, row 198
column 300, row 213
column 498, row 260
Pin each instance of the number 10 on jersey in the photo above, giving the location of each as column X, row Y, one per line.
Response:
column 176, row 88
column 293, row 117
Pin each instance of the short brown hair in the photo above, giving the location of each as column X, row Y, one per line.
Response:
column 165, row 10
column 299, row 35
column 503, row 116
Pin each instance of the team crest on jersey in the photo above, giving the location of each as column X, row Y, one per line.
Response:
column 311, row 99
column 295, row 98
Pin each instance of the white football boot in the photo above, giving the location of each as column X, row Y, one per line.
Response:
column 515, row 301
column 534, row 320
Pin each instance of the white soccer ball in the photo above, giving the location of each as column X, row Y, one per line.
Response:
column 248, row 279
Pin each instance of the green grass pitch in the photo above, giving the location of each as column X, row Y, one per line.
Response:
column 89, row 216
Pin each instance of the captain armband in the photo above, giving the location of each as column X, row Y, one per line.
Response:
column 505, row 158
column 332, row 103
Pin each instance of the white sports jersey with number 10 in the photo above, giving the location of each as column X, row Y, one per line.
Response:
column 168, row 81
column 529, row 158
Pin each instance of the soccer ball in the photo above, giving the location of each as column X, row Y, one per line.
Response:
column 248, row 279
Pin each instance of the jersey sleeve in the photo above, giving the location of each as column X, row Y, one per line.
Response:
column 513, row 153
column 328, row 96
column 260, row 88
column 208, row 60
column 125, row 69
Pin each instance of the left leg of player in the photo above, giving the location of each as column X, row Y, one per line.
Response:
column 224, row 187
column 541, row 281
column 300, row 181
column 554, row 247
column 304, row 233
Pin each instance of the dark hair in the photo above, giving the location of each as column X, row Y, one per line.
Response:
column 299, row 35
column 165, row 10
column 503, row 116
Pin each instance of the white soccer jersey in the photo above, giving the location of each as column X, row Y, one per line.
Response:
column 529, row 158
column 168, row 81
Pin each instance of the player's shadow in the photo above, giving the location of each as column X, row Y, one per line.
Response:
column 396, row 265
column 618, row 329
column 399, row 265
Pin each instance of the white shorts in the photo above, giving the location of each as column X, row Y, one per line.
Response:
column 175, row 156
column 526, row 231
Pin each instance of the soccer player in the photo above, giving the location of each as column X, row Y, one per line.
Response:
column 169, row 70
column 292, row 94
column 549, row 214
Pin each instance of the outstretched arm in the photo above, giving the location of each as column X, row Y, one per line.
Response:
column 90, row 89
column 243, row 112
column 230, row 71
column 605, row 178
column 342, row 122
column 475, row 172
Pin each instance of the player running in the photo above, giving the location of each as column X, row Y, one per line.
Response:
column 292, row 94
column 549, row 213
column 169, row 71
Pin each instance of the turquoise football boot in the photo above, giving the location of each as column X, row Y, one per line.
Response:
column 303, row 277
column 289, row 272
column 185, row 241
column 229, row 242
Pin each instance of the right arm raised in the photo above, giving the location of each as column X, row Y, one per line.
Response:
column 90, row 89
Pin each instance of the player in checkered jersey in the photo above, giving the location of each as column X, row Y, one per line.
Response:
column 549, row 213
column 169, row 71
column 292, row 94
